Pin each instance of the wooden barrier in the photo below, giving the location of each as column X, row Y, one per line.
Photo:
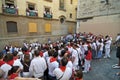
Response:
column 21, row 78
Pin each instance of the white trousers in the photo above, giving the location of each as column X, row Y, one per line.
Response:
column 107, row 52
column 87, row 65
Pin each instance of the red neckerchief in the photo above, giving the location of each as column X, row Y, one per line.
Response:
column 14, row 75
column 27, row 52
column 41, row 53
column 10, row 62
column 1, row 62
column 63, row 68
column 15, row 58
column 52, row 59
column 78, row 79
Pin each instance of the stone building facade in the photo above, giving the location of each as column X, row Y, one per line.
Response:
column 36, row 20
column 99, row 17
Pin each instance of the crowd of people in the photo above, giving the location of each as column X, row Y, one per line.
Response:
column 66, row 59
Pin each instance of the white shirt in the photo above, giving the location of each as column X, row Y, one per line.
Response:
column 75, row 55
column 79, row 53
column 70, row 49
column 94, row 46
column 85, row 47
column 108, row 44
column 69, row 64
column 6, row 67
column 101, row 46
column 52, row 66
column 45, row 55
column 18, row 63
column 66, row 74
column 37, row 67
column 20, row 54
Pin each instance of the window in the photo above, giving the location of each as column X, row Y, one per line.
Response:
column 70, row 29
column 47, row 9
column 71, row 1
column 47, row 27
column 62, row 19
column 47, row 13
column 61, row 4
column 31, row 6
column 9, row 7
column 70, row 15
column 31, row 10
column 9, row 3
column 32, row 27
column 12, row 26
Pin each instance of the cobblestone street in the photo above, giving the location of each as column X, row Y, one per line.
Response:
column 102, row 69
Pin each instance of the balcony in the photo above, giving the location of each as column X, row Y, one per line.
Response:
column 31, row 12
column 48, row 15
column 10, row 10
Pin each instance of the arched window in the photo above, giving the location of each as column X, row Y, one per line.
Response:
column 11, row 26
column 62, row 19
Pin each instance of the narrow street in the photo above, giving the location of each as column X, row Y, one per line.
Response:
column 102, row 69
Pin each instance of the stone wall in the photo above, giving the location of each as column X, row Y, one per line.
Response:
column 57, row 28
column 92, row 8
column 105, row 25
column 99, row 17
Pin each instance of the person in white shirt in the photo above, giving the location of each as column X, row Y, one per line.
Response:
column 79, row 51
column 6, row 67
column 75, row 57
column 52, row 64
column 94, row 49
column 63, row 73
column 100, row 49
column 37, row 66
column 70, row 48
column 69, row 64
column 107, row 48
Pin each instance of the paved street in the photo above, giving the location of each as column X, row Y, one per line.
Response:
column 102, row 70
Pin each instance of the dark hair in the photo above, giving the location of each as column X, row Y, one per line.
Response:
column 8, row 57
column 66, row 48
column 1, row 55
column 24, row 49
column 50, row 51
column 89, row 47
column 36, row 52
column 15, row 53
column 62, row 53
column 64, row 61
column 13, row 70
column 79, row 74
column 55, row 54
